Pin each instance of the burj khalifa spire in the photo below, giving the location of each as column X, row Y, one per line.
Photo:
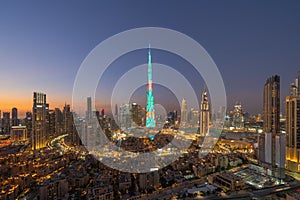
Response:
column 150, row 117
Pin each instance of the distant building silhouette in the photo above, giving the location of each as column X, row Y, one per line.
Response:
column 184, row 112
column 6, row 122
column 15, row 120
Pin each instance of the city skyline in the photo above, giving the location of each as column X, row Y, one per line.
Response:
column 89, row 110
column 56, row 52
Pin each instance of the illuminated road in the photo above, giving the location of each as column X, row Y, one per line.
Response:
column 295, row 175
column 58, row 143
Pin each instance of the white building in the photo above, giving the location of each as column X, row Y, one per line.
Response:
column 268, row 148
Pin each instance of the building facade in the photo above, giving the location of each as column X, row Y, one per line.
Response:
column 204, row 114
column 271, row 125
column 39, row 134
column 18, row 133
column 271, row 105
column 293, row 133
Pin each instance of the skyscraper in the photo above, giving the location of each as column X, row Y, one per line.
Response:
column 184, row 112
column 194, row 117
column 59, row 127
column 50, row 115
column 268, row 155
column 293, row 133
column 28, row 123
column 38, row 136
column 272, row 111
column 125, row 117
column 150, row 116
column 204, row 114
column 6, row 122
column 298, row 83
column 137, row 114
column 89, row 109
column 15, row 121
column 49, row 134
column 116, row 113
column 238, row 118
column 293, row 89
column 67, row 120
column 293, row 129
column 272, row 105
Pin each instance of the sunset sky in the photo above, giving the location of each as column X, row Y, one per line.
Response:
column 43, row 43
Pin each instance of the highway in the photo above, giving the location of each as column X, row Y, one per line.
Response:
column 58, row 143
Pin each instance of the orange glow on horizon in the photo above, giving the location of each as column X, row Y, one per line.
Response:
column 25, row 105
column 23, row 101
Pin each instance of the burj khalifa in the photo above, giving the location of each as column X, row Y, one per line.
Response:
column 150, row 112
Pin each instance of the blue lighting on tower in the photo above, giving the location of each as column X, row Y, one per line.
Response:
column 150, row 117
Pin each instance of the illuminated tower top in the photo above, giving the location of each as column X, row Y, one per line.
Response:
column 150, row 117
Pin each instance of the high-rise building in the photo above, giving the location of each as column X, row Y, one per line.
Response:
column 39, row 135
column 14, row 117
column 67, row 120
column 75, row 139
column 50, row 131
column 138, row 114
column 116, row 110
column 28, row 123
column 194, row 118
column 50, row 115
column 6, row 122
column 89, row 112
column 204, row 114
column 297, row 83
column 293, row 128
column 102, row 112
column 184, row 112
column 150, row 112
column 293, row 89
column 116, row 113
column 238, row 118
column 271, row 107
column 170, row 119
column 58, row 122
column 125, row 118
column 293, row 133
